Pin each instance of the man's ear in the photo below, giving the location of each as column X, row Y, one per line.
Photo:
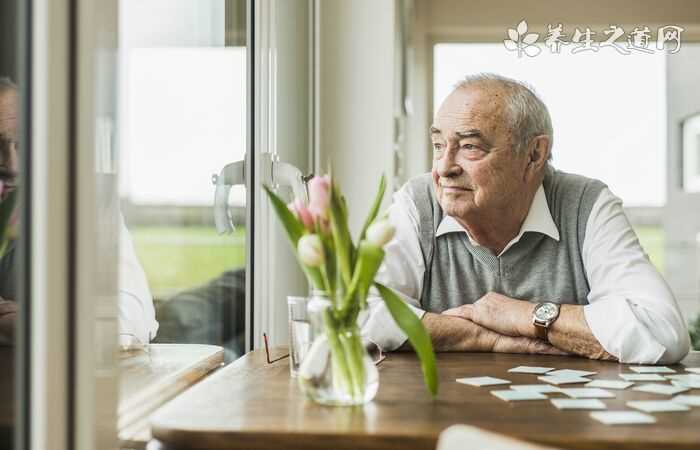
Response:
column 538, row 154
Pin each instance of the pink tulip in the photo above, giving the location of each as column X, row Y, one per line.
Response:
column 319, row 196
column 303, row 214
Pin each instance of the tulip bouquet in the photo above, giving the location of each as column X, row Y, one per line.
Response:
column 344, row 271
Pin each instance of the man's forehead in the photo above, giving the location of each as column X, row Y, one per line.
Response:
column 468, row 108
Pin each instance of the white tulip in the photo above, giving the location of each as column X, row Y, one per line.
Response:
column 380, row 233
column 310, row 249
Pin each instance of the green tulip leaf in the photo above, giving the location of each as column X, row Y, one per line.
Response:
column 292, row 225
column 417, row 335
column 374, row 210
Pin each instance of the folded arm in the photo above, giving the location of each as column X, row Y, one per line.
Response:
column 632, row 315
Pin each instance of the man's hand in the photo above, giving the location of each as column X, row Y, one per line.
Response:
column 450, row 334
column 499, row 313
column 511, row 317
column 8, row 315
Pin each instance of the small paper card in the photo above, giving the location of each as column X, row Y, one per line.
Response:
column 570, row 403
column 690, row 400
column 690, row 384
column 658, row 406
column 511, row 396
column 563, row 380
column 663, row 389
column 642, row 377
column 688, row 380
column 683, row 376
column 482, row 381
column 622, row 417
column 570, row 373
column 530, row 369
column 588, row 393
column 693, row 370
column 541, row 388
column 610, row 384
column 652, row 369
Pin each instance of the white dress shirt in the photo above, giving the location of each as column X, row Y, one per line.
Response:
column 631, row 310
column 137, row 316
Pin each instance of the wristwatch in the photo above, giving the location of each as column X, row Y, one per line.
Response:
column 543, row 317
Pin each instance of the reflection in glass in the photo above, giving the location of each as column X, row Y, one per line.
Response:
column 182, row 99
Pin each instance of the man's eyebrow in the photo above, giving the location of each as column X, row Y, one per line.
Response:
column 473, row 132
column 434, row 130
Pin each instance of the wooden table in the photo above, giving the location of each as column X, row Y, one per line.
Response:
column 149, row 379
column 253, row 405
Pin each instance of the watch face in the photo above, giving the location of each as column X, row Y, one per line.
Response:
column 546, row 312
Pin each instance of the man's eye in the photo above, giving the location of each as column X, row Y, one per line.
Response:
column 437, row 146
column 470, row 147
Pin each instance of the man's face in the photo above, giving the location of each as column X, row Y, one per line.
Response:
column 475, row 170
column 8, row 140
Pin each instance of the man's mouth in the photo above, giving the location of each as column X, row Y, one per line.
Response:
column 455, row 188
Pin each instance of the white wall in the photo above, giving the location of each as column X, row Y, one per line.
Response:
column 355, row 97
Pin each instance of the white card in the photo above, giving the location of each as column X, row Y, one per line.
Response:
column 482, row 381
column 610, row 384
column 652, row 369
column 683, row 376
column 658, row 406
column 571, row 403
column 693, row 370
column 541, row 388
column 511, row 396
column 570, row 373
column 622, row 417
column 690, row 400
column 588, row 393
column 690, row 384
column 642, row 377
column 530, row 369
column 563, row 380
column 664, row 389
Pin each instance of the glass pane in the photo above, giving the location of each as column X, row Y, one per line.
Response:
column 625, row 119
column 182, row 115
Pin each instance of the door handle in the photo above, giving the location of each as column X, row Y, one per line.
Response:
column 275, row 173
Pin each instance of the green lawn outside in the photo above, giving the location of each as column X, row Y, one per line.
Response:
column 177, row 258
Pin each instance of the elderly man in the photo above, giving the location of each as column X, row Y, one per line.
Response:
column 136, row 312
column 498, row 251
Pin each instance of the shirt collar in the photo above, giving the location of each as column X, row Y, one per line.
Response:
column 538, row 219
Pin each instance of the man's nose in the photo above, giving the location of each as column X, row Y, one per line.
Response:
column 447, row 165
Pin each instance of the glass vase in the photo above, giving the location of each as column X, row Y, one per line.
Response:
column 337, row 369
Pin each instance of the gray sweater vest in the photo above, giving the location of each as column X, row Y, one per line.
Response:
column 537, row 268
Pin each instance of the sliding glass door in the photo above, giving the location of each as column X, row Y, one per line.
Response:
column 154, row 126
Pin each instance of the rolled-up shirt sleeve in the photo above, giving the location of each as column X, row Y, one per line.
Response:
column 632, row 311
column 402, row 271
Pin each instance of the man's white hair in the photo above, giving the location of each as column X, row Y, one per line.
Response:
column 529, row 116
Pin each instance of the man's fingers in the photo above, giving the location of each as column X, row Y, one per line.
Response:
column 464, row 311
